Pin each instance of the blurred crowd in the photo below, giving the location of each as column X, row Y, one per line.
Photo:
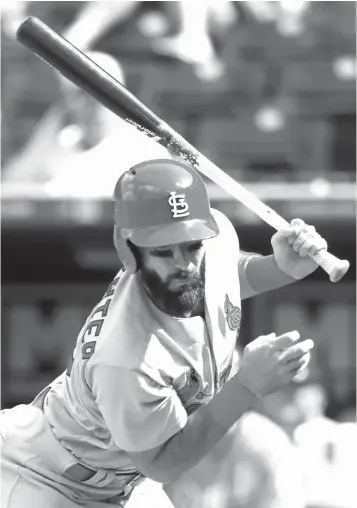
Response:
column 199, row 22
column 218, row 72
column 287, row 454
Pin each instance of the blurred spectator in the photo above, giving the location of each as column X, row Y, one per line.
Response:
column 255, row 465
column 325, row 447
column 198, row 21
column 12, row 14
column 282, row 409
column 194, row 21
column 90, row 23
column 291, row 17
column 328, row 450
column 288, row 15
column 78, row 135
column 80, row 146
column 192, row 43
column 97, row 18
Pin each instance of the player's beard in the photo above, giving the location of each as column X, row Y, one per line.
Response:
column 185, row 301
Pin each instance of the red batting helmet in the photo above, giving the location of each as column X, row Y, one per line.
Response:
column 160, row 202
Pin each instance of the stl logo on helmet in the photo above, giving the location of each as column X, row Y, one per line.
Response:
column 179, row 207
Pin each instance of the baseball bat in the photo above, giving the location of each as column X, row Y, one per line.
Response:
column 83, row 72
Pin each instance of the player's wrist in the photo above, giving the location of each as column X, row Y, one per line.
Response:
column 231, row 403
column 280, row 268
column 254, row 393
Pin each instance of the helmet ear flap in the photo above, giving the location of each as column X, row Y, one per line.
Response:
column 125, row 253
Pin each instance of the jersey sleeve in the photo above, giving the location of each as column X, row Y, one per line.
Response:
column 140, row 412
column 228, row 234
column 231, row 242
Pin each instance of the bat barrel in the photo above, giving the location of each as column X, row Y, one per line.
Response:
column 83, row 72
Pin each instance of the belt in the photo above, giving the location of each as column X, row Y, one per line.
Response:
column 77, row 471
column 81, row 472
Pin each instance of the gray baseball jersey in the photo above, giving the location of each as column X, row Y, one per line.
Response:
column 137, row 373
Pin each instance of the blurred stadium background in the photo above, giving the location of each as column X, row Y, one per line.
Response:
column 267, row 90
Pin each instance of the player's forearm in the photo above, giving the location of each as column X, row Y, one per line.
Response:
column 204, row 429
column 262, row 274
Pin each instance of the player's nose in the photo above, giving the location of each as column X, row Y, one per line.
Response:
column 180, row 258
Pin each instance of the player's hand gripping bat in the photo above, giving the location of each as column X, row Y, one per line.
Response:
column 83, row 72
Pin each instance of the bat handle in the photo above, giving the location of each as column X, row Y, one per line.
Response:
column 333, row 266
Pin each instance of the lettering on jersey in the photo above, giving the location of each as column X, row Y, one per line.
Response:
column 88, row 349
column 103, row 309
column 94, row 326
column 111, row 288
column 233, row 315
column 179, row 207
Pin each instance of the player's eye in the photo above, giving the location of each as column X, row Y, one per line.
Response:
column 193, row 247
column 163, row 253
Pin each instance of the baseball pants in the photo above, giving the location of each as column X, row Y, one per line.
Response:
column 36, row 471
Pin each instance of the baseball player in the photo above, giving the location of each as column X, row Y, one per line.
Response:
column 156, row 380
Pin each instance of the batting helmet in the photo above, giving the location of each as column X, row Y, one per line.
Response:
column 160, row 202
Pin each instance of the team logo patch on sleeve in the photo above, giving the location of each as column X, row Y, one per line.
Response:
column 233, row 314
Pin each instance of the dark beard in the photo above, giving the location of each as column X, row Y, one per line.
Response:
column 187, row 301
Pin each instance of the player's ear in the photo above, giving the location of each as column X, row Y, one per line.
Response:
column 136, row 252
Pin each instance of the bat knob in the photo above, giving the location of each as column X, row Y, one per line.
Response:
column 338, row 270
